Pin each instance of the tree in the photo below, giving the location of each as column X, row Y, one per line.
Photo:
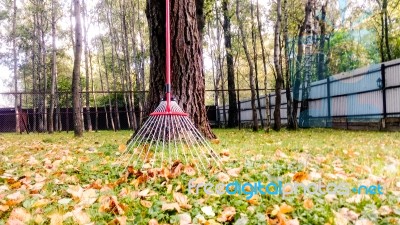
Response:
column 188, row 83
column 232, row 120
column 53, row 67
column 278, row 68
column 76, row 86
column 14, row 41
column 251, row 67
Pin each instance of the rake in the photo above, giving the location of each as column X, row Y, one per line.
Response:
column 168, row 135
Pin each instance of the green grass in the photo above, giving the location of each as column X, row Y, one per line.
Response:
column 55, row 163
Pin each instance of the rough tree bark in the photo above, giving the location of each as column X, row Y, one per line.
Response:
column 188, row 83
column 251, row 68
column 76, row 86
column 232, row 120
column 278, row 68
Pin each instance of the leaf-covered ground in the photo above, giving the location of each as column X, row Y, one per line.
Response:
column 58, row 179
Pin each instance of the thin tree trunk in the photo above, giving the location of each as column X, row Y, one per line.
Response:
column 76, row 86
column 53, row 68
column 34, row 75
column 299, row 63
column 386, row 29
column 232, row 120
column 288, row 82
column 96, row 124
column 278, row 69
column 44, row 58
column 254, row 41
column 108, row 87
column 102, row 90
column 321, row 55
column 87, row 80
column 264, row 58
column 251, row 68
column 14, row 36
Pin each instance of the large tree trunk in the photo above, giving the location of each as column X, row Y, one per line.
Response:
column 278, row 69
column 14, row 36
column 251, row 68
column 76, row 86
column 53, row 68
column 188, row 83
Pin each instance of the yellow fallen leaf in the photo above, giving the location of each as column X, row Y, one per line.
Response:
column 146, row 204
column 308, row 203
column 121, row 148
column 234, row 172
column 40, row 203
column 189, row 170
column 56, row 219
column 81, row 217
column 4, row 208
column 76, row 191
column 223, row 177
column 284, row 208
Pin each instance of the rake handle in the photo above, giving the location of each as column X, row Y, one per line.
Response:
column 167, row 56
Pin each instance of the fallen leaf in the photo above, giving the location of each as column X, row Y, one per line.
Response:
column 223, row 177
column 227, row 214
column 153, row 222
column 81, row 217
column 18, row 216
column 76, row 191
column 363, row 222
column 146, row 204
column 234, row 172
column 182, row 200
column 121, row 148
column 40, row 203
column 4, row 208
column 170, row 206
column 15, row 198
column 185, row 219
column 308, row 204
column 189, row 170
column 385, row 210
column 300, row 176
column 208, row 211
column 111, row 204
column 56, row 219
column 284, row 208
column 293, row 222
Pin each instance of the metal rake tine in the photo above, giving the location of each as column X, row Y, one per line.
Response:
column 184, row 121
column 179, row 134
column 151, row 143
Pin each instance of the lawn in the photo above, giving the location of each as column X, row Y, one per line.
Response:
column 58, row 179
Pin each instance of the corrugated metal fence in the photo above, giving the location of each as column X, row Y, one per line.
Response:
column 364, row 95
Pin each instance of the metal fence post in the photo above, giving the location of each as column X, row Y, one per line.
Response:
column 239, row 114
column 328, row 95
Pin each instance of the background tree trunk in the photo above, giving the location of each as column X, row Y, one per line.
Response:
column 232, row 120
column 76, row 86
column 53, row 68
column 278, row 68
column 251, row 68
column 188, row 83
column 14, row 43
column 87, row 79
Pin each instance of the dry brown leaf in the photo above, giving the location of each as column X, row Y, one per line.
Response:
column 253, row 200
column 189, row 170
column 119, row 220
column 185, row 219
column 170, row 206
column 146, row 204
column 308, row 203
column 4, row 208
column 300, row 176
column 227, row 215
column 88, row 197
column 182, row 200
column 15, row 198
column 18, row 216
column 215, row 141
column 111, row 204
column 284, row 208
column 225, row 152
column 76, row 191
column 223, row 177
column 234, row 172
column 81, row 217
